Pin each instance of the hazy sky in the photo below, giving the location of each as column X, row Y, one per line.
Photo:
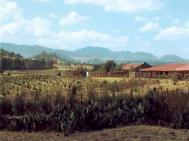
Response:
column 156, row 26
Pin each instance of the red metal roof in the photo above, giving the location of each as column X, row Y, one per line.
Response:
column 130, row 66
column 168, row 67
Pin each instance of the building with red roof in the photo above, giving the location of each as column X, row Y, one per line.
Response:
column 135, row 67
column 167, row 70
column 132, row 69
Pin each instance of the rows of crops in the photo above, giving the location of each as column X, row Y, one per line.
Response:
column 53, row 83
column 46, row 84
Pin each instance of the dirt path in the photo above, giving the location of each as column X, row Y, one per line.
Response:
column 131, row 133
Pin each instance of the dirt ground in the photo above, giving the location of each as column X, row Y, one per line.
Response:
column 130, row 133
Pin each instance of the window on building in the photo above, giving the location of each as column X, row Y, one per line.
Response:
column 161, row 73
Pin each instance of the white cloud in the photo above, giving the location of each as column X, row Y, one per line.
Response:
column 9, row 9
column 38, row 27
column 123, row 5
column 173, row 32
column 76, row 39
column 10, row 29
column 14, row 25
column 150, row 26
column 89, row 37
column 38, row 31
column 72, row 18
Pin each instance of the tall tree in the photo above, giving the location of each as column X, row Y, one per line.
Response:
column 110, row 66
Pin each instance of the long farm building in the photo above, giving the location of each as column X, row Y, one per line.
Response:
column 167, row 70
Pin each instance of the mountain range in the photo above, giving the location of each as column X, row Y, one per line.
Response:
column 91, row 54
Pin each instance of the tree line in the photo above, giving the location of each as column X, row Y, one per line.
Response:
column 12, row 61
column 108, row 66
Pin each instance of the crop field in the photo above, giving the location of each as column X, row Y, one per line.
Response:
column 48, row 100
column 48, row 82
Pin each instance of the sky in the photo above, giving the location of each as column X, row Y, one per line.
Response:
column 155, row 26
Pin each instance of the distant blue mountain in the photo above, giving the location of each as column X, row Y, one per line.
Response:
column 31, row 51
column 90, row 54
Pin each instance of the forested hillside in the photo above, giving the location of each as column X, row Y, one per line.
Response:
column 12, row 61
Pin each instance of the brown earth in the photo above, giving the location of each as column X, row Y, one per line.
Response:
column 130, row 133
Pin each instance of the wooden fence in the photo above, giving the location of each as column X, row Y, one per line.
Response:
column 109, row 74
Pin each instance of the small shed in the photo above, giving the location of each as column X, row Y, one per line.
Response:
column 135, row 67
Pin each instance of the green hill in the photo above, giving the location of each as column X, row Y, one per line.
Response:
column 32, row 51
column 52, row 57
column 12, row 61
column 91, row 54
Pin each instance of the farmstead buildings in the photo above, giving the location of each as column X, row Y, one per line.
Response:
column 139, row 70
column 167, row 70
column 133, row 69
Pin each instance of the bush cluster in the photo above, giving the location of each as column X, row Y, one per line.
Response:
column 169, row 109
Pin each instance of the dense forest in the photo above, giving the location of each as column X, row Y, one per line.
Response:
column 12, row 61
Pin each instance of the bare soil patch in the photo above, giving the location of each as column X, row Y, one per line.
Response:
column 129, row 133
